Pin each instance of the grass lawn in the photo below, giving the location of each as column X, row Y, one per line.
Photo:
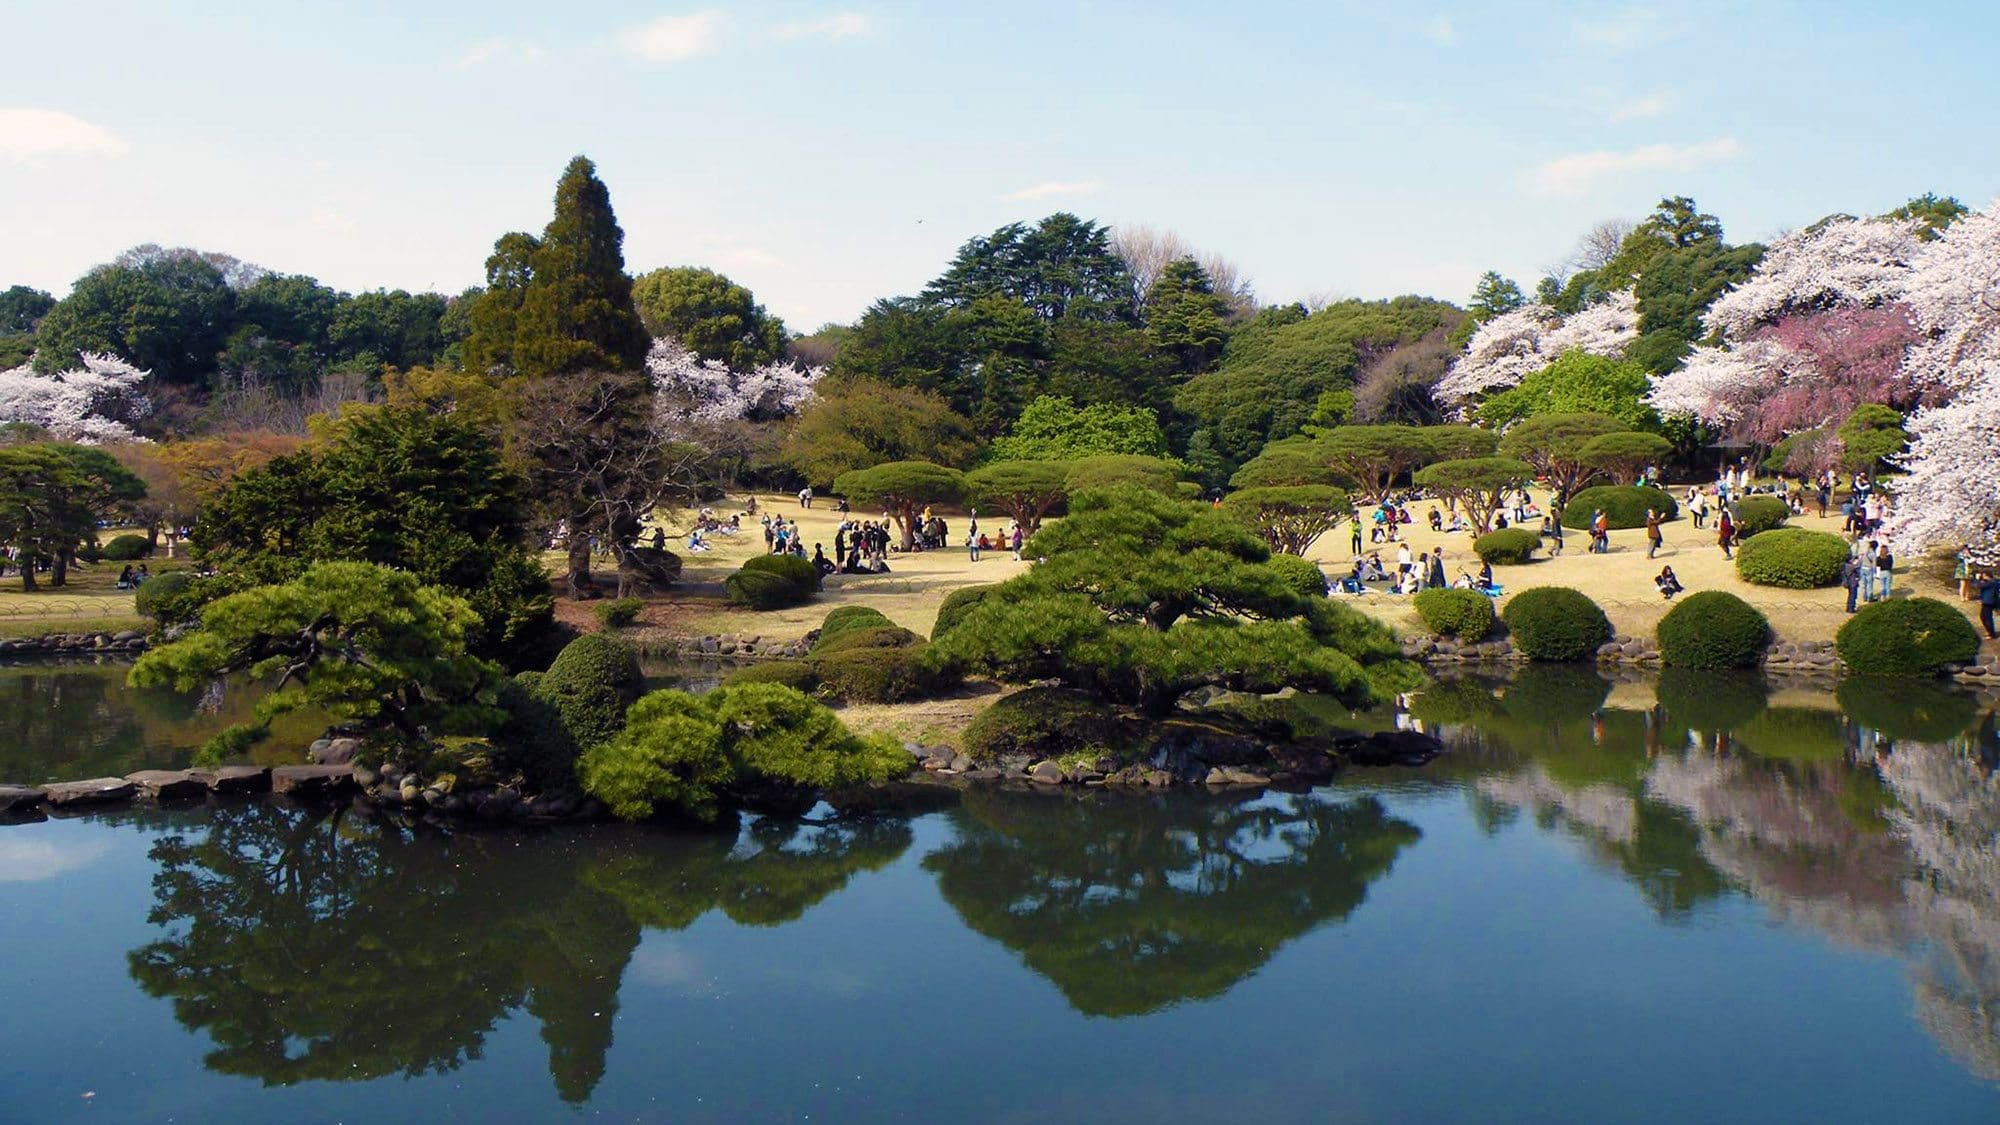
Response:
column 89, row 603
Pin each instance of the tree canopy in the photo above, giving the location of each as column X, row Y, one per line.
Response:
column 903, row 489
column 1025, row 490
column 1554, row 444
column 1056, row 429
column 858, row 423
column 52, row 496
column 713, row 316
column 576, row 310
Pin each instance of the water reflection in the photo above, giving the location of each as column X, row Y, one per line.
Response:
column 309, row 945
column 1132, row 903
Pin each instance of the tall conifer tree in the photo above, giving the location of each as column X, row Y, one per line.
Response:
column 577, row 314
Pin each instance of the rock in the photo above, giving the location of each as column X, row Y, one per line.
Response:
column 95, row 790
column 981, row 775
column 1394, row 748
column 709, row 645
column 128, row 636
column 20, row 798
column 961, row 763
column 1046, row 773
column 334, row 751
column 312, row 781
column 726, row 646
column 365, row 777
column 392, row 773
column 169, row 785
column 234, row 779
column 935, row 764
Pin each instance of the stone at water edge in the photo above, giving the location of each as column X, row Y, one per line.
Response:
column 169, row 785
column 1046, row 773
column 234, row 779
column 311, row 780
column 333, row 751
column 20, row 798
column 91, row 791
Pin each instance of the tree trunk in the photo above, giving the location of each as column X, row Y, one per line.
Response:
column 59, row 572
column 906, row 522
column 27, row 564
column 580, row 584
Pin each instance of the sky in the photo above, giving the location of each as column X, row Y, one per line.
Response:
column 827, row 154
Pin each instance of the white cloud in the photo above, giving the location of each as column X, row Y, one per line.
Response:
column 1053, row 188
column 27, row 135
column 502, row 52
column 1652, row 105
column 1440, row 30
column 1578, row 173
column 845, row 25
column 1624, row 31
column 328, row 219
column 672, row 39
column 32, row 861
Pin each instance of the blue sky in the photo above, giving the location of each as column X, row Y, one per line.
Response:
column 826, row 154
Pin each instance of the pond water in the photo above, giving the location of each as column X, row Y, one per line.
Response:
column 1652, row 899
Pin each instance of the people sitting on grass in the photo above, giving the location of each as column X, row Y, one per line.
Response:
column 1436, row 519
column 126, row 578
column 696, row 541
column 1668, row 584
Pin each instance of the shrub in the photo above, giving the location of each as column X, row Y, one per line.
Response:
column 165, row 598
column 792, row 568
column 590, row 684
column 619, row 612
column 880, row 675
column 1301, row 575
column 1906, row 637
column 125, row 548
column 1041, row 722
column 1713, row 629
column 1508, row 546
column 761, row 589
column 1555, row 623
column 796, row 674
column 1755, row 514
column 670, row 753
column 533, row 740
column 1792, row 557
column 957, row 605
column 1465, row 614
column 874, row 636
column 849, row 617
column 1624, row 505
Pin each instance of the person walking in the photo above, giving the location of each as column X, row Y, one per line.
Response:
column 1018, row 538
column 1989, row 600
column 1600, row 532
column 1885, row 570
column 1725, row 532
column 1354, row 518
column 1652, row 532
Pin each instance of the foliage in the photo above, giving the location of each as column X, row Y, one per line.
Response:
column 1757, row 514
column 1025, row 490
column 1373, row 458
column 160, row 597
column 169, row 315
column 1575, row 382
column 765, row 586
column 1062, row 266
column 1479, row 485
column 1301, row 574
column 1621, row 455
column 52, row 497
column 1112, row 470
column 99, row 400
column 1507, row 546
column 1713, row 629
column 795, row 674
column 619, row 612
column 1555, row 623
column 1906, row 637
column 1185, row 316
column 1056, row 429
column 590, row 684
column 1289, row 518
column 958, row 605
column 368, row 646
column 710, row 315
column 1870, row 437
column 1624, row 506
column 686, row 751
column 866, row 636
column 1492, row 296
column 1144, row 598
column 576, row 310
column 1509, row 347
column 125, row 548
column 1791, row 557
column 849, row 617
column 1554, row 444
column 1401, row 385
column 857, row 673
column 697, row 393
column 1294, row 461
column 1038, row 723
column 1464, row 614
column 903, row 489
column 859, row 423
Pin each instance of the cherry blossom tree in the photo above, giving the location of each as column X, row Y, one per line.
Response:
column 697, row 391
column 1513, row 345
column 94, row 403
column 1839, row 263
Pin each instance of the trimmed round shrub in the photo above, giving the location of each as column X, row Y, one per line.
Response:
column 1713, row 629
column 874, row 636
column 795, row 674
column 1507, row 546
column 125, row 548
column 1896, row 708
column 1791, row 557
column 957, row 605
column 800, row 571
column 849, row 617
column 1041, row 722
column 1756, row 514
column 1465, row 614
column 879, row 675
column 165, row 598
column 1906, row 637
column 1555, row 623
column 619, row 612
column 1301, row 575
column 1625, row 505
column 590, row 684
column 761, row 589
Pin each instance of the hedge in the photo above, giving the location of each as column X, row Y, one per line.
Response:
column 880, row 675
column 873, row 636
column 1625, row 505
column 1555, row 623
column 849, row 617
column 163, row 598
column 957, row 605
column 125, row 548
column 761, row 589
column 591, row 683
column 1792, row 557
column 1301, row 575
column 1756, row 514
column 1041, row 722
column 791, row 567
column 619, row 612
column 1465, row 614
column 1906, row 637
column 1508, row 546
column 1713, row 629
column 791, row 673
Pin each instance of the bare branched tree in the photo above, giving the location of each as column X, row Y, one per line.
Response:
column 1600, row 244
column 1146, row 251
column 245, row 400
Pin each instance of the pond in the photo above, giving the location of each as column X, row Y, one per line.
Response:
column 1644, row 899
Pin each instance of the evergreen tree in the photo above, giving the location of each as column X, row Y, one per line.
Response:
column 1186, row 317
column 493, row 316
column 1494, row 295
column 576, row 310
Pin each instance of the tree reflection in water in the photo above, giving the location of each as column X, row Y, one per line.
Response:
column 1131, row 903
column 310, row 945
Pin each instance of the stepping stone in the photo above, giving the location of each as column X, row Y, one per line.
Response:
column 96, row 790
column 169, row 785
column 20, row 798
column 234, row 779
column 312, row 781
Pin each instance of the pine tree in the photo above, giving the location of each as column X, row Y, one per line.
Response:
column 576, row 313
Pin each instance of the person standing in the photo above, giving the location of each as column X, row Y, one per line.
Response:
column 1725, row 532
column 1850, row 577
column 1402, row 560
column 1552, row 528
column 1600, row 532
column 1867, row 561
column 1354, row 518
column 1438, row 580
column 1017, row 537
column 1885, row 570
column 1989, row 600
column 1652, row 532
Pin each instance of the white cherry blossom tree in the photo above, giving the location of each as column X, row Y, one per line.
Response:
column 1514, row 345
column 96, row 402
